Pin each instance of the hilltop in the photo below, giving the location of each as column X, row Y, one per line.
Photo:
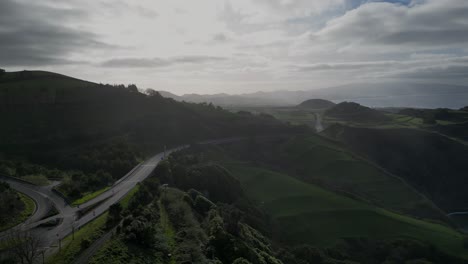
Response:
column 316, row 104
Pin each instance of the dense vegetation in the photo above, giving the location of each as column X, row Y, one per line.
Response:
column 46, row 111
column 220, row 224
column 10, row 203
column 92, row 134
column 14, row 207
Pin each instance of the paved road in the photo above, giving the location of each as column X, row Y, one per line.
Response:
column 102, row 203
column 41, row 196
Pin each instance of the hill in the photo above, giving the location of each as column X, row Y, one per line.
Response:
column 302, row 213
column 311, row 215
column 353, row 112
column 330, row 165
column 48, row 111
column 433, row 163
column 95, row 133
column 316, row 104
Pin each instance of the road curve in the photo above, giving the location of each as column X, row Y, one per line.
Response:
column 43, row 203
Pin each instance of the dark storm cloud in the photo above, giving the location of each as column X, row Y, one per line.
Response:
column 35, row 35
column 158, row 62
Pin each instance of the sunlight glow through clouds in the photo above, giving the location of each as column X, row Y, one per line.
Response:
column 212, row 46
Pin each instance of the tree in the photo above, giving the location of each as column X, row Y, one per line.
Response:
column 133, row 88
column 24, row 246
column 85, row 243
column 152, row 93
column 2, row 71
column 115, row 210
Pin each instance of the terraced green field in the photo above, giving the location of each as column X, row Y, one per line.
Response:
column 309, row 214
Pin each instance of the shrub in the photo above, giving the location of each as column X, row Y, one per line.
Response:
column 241, row 261
column 203, row 205
column 85, row 243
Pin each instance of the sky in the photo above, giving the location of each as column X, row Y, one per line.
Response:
column 238, row 46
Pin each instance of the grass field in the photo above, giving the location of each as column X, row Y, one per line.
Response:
column 29, row 207
column 309, row 214
column 89, row 196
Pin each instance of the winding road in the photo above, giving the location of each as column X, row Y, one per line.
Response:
column 44, row 198
column 71, row 218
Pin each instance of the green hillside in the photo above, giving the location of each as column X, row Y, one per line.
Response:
column 329, row 164
column 433, row 163
column 308, row 214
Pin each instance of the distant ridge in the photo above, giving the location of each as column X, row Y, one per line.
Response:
column 391, row 94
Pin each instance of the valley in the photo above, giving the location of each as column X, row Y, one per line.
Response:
column 320, row 177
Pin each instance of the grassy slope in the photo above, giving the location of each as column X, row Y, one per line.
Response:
column 323, row 161
column 89, row 196
column 312, row 215
column 29, row 207
column 432, row 163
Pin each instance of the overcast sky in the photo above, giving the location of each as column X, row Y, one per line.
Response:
column 238, row 46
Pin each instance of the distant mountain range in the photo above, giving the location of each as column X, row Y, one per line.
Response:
column 372, row 95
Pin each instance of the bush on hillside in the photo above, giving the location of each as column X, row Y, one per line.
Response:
column 241, row 261
column 10, row 203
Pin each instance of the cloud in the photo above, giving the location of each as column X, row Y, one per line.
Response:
column 354, row 66
column 35, row 35
column 159, row 62
column 434, row 23
column 449, row 72
column 224, row 43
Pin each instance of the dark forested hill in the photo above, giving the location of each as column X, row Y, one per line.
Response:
column 44, row 112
